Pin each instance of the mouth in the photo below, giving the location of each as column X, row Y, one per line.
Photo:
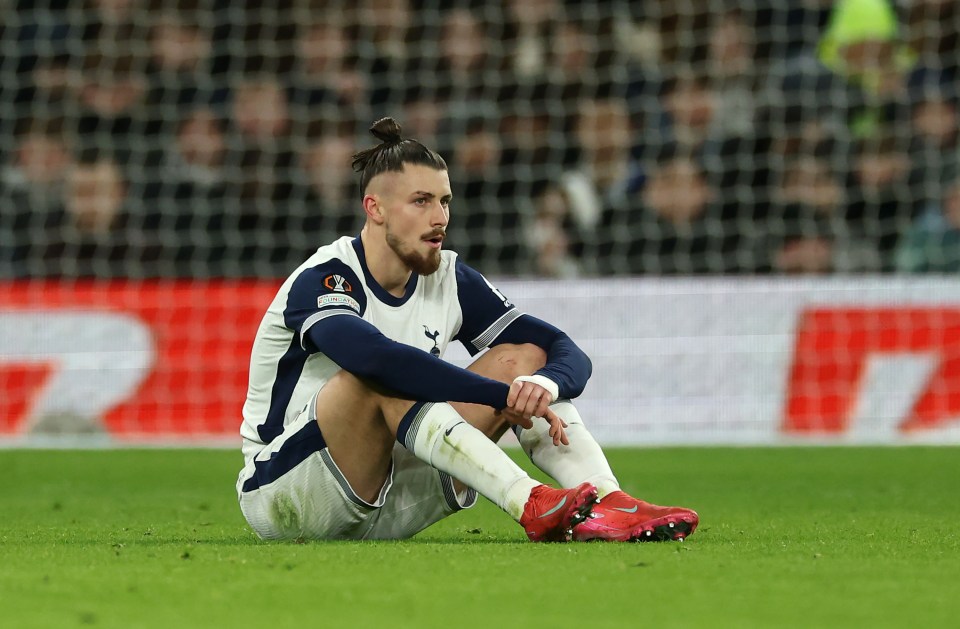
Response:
column 435, row 241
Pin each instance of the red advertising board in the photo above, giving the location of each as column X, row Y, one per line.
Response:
column 676, row 361
column 201, row 337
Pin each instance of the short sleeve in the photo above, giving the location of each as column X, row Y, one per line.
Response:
column 327, row 290
column 486, row 311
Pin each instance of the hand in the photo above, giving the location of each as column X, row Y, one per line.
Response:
column 528, row 400
column 557, row 425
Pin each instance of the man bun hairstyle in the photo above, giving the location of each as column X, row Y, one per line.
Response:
column 392, row 153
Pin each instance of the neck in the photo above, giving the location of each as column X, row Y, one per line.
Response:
column 384, row 265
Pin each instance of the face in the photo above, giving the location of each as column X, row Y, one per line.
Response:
column 809, row 182
column 604, row 127
column 691, row 105
column 936, row 120
column 95, row 194
column 327, row 165
column 201, row 140
column 43, row 159
column 880, row 171
column 678, row 192
column 951, row 204
column 323, row 48
column 463, row 43
column 261, row 110
column 415, row 207
column 177, row 47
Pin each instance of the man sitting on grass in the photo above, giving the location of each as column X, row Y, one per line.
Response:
column 355, row 428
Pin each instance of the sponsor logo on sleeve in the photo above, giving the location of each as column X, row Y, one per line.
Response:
column 338, row 299
column 337, row 283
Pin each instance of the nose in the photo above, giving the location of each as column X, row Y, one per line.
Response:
column 440, row 216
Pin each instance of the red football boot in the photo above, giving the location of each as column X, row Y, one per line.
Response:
column 622, row 518
column 550, row 514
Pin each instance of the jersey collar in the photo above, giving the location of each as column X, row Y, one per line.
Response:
column 379, row 291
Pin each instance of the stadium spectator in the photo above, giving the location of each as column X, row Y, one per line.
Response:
column 805, row 255
column 883, row 198
column 389, row 43
column 605, row 174
column 532, row 149
column 326, row 70
column 467, row 67
column 111, row 107
column 934, row 148
column 186, row 198
column 734, row 75
column 527, row 27
column 932, row 243
column 747, row 92
column 689, row 104
column 41, row 158
column 669, row 226
column 486, row 227
column 180, row 69
column 933, row 32
column 426, row 118
column 324, row 205
column 262, row 120
column 676, row 226
column 807, row 229
column 855, row 81
column 97, row 234
column 31, row 191
column 261, row 110
column 547, row 239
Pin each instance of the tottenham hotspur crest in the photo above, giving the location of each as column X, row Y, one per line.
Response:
column 435, row 350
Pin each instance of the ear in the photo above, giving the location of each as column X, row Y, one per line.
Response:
column 371, row 207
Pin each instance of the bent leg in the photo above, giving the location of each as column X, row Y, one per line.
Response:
column 351, row 418
column 582, row 460
column 359, row 425
column 503, row 363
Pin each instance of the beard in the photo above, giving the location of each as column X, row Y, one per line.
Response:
column 418, row 263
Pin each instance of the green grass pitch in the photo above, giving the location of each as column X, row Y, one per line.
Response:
column 789, row 537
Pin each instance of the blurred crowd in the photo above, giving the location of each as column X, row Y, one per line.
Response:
column 213, row 138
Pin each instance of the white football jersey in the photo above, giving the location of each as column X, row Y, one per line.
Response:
column 454, row 303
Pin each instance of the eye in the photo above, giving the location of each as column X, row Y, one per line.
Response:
column 420, row 201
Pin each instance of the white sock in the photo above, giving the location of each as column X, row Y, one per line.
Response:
column 438, row 436
column 581, row 461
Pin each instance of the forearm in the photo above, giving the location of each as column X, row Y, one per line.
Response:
column 567, row 364
column 361, row 349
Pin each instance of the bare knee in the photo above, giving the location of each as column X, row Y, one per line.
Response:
column 350, row 390
column 357, row 400
column 509, row 361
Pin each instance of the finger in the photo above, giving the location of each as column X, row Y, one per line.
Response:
column 544, row 406
column 513, row 417
column 523, row 400
column 550, row 416
column 533, row 404
column 557, row 432
column 512, row 394
column 559, row 436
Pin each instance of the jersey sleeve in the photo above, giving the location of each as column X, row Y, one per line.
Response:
column 327, row 290
column 486, row 311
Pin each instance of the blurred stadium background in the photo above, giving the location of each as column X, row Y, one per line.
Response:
column 651, row 175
